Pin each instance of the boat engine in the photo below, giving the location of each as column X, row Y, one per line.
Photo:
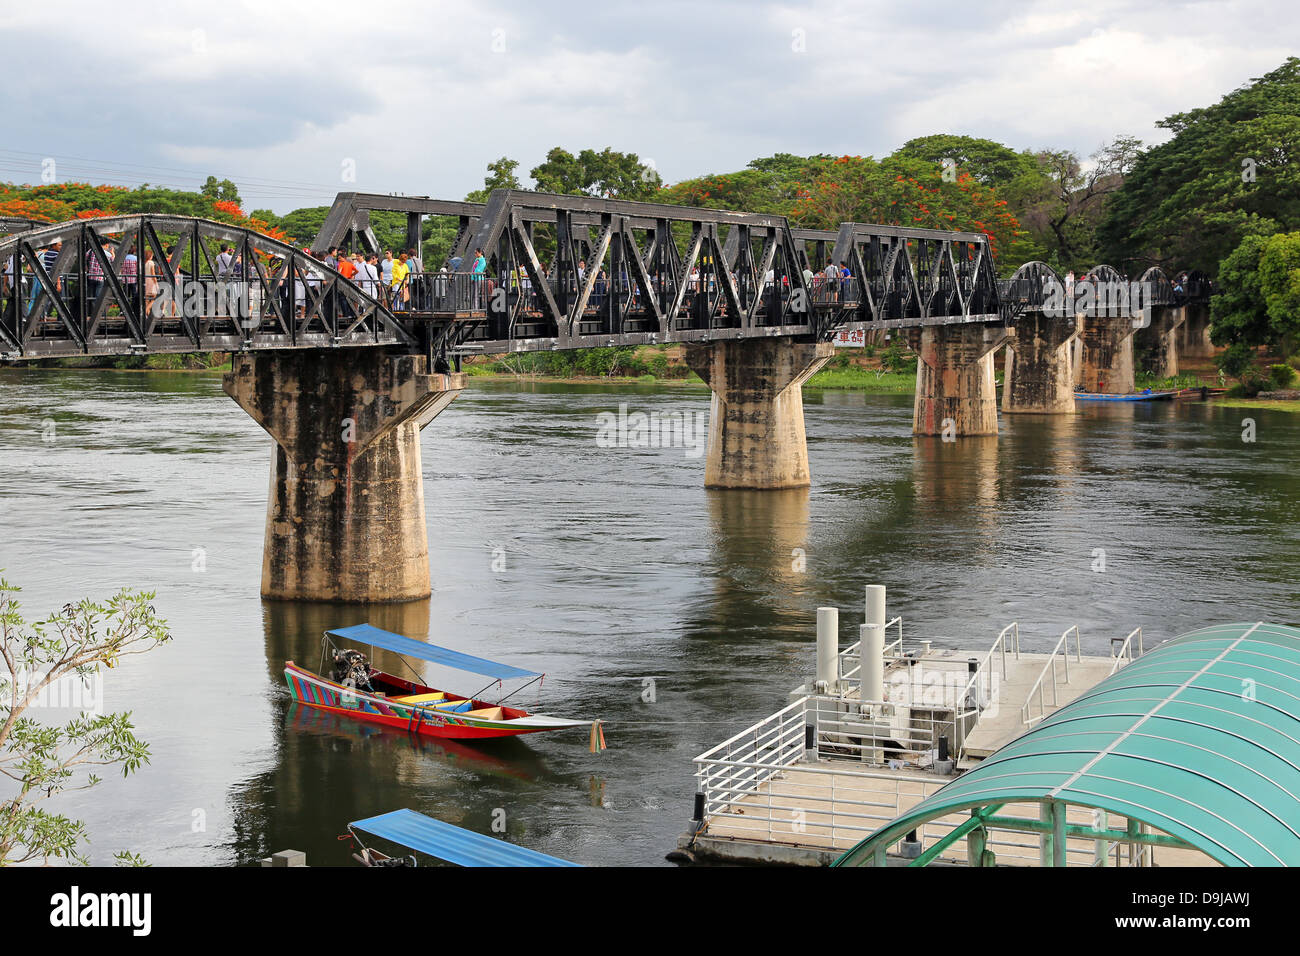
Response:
column 352, row 669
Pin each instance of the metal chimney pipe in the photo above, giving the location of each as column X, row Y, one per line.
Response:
column 828, row 646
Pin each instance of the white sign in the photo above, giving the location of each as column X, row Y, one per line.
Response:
column 855, row 339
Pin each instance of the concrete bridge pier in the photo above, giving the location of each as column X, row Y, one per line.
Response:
column 1161, row 337
column 1107, row 364
column 1194, row 338
column 345, row 517
column 956, row 393
column 756, row 429
column 1039, row 368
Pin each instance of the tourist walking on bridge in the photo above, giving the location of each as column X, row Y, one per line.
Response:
column 386, row 274
column 416, row 279
column 401, row 291
column 480, row 274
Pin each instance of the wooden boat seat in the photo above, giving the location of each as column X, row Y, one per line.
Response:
column 487, row 713
column 421, row 698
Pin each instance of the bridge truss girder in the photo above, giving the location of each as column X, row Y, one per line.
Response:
column 281, row 299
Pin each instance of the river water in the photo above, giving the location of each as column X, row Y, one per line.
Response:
column 677, row 615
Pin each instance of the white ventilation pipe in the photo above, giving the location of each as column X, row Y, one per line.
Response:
column 875, row 604
column 828, row 648
column 872, row 667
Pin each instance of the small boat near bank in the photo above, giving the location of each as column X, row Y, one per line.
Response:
column 357, row 690
column 1144, row 396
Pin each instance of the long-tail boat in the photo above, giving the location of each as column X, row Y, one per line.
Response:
column 356, row 689
column 442, row 841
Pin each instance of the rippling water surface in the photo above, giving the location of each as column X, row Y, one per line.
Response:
column 619, row 567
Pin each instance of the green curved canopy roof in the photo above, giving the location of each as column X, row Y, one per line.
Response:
column 1199, row 738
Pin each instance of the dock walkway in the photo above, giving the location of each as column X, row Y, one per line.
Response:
column 812, row 780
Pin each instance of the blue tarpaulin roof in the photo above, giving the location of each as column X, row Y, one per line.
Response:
column 365, row 634
column 446, row 842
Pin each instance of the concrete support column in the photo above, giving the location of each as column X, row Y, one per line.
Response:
column 345, row 517
column 756, row 430
column 1161, row 338
column 1195, row 338
column 1107, row 355
column 955, row 388
column 1039, row 373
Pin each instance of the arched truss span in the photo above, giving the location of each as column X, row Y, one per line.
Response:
column 162, row 283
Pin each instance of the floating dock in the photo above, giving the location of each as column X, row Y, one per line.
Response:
column 835, row 765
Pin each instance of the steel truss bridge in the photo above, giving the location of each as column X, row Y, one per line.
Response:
column 562, row 272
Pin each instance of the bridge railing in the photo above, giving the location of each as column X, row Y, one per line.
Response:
column 439, row 292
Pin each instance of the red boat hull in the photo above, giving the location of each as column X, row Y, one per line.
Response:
column 317, row 692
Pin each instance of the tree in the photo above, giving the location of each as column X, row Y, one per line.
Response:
column 1229, row 171
column 41, row 760
column 906, row 191
column 1257, row 302
column 1063, row 203
column 990, row 163
column 608, row 174
column 771, row 185
column 225, row 190
column 501, row 175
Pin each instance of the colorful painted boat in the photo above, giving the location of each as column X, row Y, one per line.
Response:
column 1145, row 396
column 361, row 692
column 440, row 840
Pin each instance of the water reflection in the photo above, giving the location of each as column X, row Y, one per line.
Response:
column 294, row 630
column 759, row 550
column 617, row 567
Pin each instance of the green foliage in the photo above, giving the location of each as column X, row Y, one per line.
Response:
column 1281, row 375
column 1237, row 360
column 302, row 225
column 1228, row 173
column 1060, row 203
column 1238, row 313
column 897, row 359
column 224, row 189
column 42, row 760
column 501, row 175
column 990, row 163
column 623, row 362
column 607, row 173
column 1257, row 301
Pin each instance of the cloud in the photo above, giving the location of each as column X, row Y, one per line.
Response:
column 283, row 98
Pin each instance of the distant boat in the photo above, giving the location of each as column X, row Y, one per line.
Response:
column 440, row 840
column 362, row 692
column 1143, row 396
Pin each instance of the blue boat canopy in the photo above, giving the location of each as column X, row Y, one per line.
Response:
column 446, row 842
column 365, row 634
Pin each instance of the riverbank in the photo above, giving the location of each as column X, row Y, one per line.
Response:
column 854, row 378
column 1277, row 404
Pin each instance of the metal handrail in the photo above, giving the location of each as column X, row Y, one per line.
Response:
column 850, row 654
column 998, row 645
column 1125, row 651
column 1061, row 650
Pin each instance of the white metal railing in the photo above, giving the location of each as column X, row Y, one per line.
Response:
column 879, row 732
column 976, row 684
column 753, row 789
column 1037, row 696
column 744, row 762
column 757, row 784
column 851, row 655
column 1125, row 653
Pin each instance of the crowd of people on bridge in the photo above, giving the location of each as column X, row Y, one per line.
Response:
column 397, row 279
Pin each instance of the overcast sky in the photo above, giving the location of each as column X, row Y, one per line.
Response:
column 288, row 98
